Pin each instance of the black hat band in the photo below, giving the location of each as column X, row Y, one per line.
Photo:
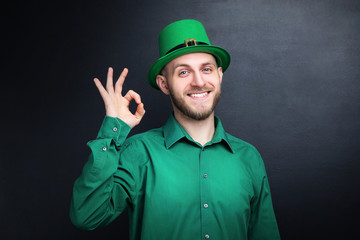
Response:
column 186, row 44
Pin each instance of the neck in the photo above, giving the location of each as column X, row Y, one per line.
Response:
column 202, row 131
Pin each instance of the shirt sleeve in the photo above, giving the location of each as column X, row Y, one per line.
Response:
column 262, row 225
column 97, row 200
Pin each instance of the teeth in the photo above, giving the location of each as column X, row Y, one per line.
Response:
column 198, row 95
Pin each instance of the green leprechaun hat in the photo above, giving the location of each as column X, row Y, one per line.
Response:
column 182, row 37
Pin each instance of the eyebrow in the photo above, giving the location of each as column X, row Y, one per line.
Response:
column 187, row 65
column 180, row 65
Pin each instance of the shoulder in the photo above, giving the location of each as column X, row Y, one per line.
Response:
column 137, row 149
column 239, row 143
column 248, row 155
column 242, row 147
column 152, row 136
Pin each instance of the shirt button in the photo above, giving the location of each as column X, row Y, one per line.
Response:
column 115, row 129
column 205, row 175
column 206, row 205
column 207, row 236
column 104, row 149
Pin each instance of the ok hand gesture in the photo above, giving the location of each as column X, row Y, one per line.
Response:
column 117, row 105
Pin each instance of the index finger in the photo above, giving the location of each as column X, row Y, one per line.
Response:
column 120, row 82
column 109, row 80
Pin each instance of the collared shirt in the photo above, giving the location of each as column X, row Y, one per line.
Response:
column 173, row 187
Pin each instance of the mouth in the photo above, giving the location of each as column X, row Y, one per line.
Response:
column 198, row 94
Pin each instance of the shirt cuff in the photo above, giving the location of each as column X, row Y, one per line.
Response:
column 115, row 129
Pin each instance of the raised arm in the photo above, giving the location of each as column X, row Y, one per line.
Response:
column 97, row 199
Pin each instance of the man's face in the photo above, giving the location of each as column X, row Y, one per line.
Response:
column 194, row 85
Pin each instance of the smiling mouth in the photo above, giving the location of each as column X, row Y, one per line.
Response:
column 198, row 95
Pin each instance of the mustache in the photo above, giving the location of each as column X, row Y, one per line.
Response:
column 197, row 89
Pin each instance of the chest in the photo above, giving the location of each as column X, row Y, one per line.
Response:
column 188, row 179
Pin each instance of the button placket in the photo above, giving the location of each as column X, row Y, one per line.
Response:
column 204, row 193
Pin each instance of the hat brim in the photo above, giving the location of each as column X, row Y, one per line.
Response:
column 221, row 55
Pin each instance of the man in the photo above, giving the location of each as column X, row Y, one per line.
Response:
column 187, row 180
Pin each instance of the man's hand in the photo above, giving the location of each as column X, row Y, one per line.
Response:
column 117, row 105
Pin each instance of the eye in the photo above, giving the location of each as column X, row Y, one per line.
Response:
column 182, row 73
column 207, row 69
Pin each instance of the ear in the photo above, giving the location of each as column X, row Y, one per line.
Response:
column 162, row 84
column 220, row 72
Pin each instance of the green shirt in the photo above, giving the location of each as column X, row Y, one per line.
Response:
column 173, row 187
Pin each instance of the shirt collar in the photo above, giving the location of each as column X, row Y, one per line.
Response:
column 173, row 132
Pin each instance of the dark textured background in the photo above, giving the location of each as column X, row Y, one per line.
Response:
column 292, row 90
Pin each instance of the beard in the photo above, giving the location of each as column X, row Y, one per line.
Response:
column 187, row 111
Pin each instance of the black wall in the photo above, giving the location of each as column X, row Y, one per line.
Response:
column 292, row 90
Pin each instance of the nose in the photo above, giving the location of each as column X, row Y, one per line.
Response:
column 197, row 80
